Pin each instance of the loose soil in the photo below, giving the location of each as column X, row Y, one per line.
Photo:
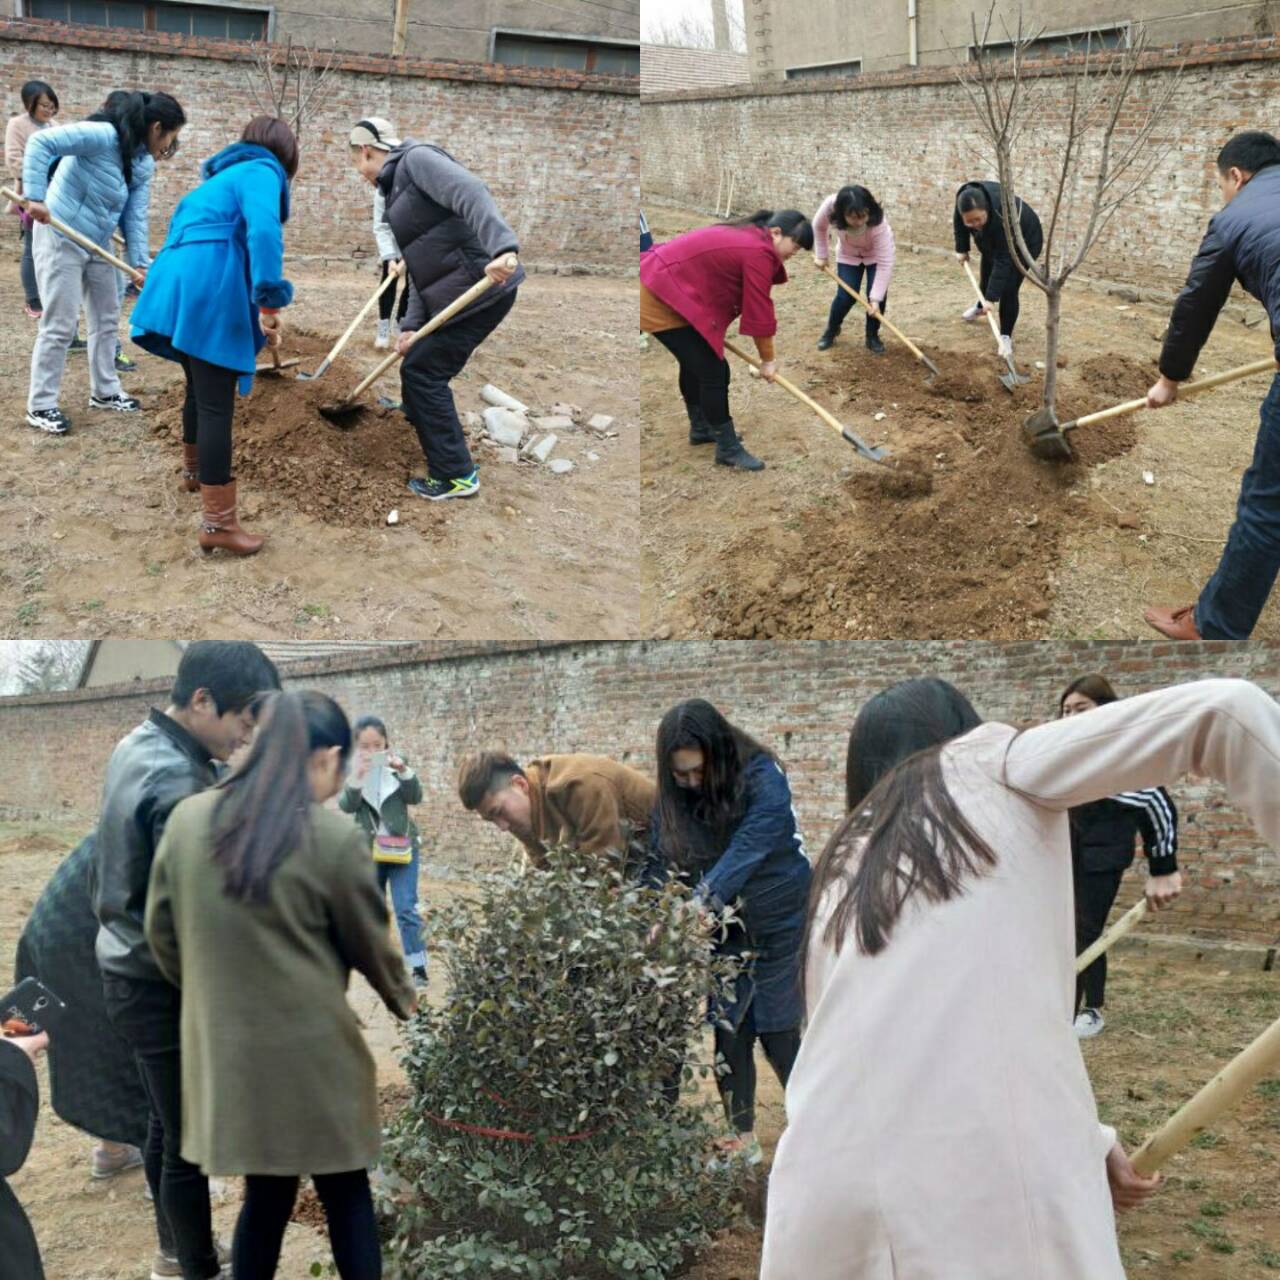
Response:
column 96, row 539
column 1172, row 1021
column 963, row 532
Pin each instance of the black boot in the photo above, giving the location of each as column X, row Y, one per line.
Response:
column 730, row 451
column 874, row 345
column 699, row 428
column 828, row 338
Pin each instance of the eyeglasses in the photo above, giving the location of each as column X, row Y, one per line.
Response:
column 170, row 151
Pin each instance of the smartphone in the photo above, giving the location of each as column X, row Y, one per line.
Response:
column 31, row 1002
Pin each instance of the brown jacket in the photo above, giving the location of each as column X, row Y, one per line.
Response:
column 583, row 801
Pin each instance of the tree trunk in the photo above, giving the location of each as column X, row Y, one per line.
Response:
column 1053, row 297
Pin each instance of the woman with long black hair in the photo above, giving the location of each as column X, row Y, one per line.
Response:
column 940, row 1120
column 94, row 176
column 261, row 903
column 724, row 823
column 693, row 287
column 1102, row 847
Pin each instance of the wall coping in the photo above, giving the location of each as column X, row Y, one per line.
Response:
column 45, row 31
column 1165, row 57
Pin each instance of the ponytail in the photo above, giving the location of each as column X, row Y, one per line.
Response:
column 789, row 221
column 133, row 114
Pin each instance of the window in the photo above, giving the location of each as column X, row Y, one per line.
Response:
column 153, row 15
column 1066, row 42
column 825, row 70
column 525, row 49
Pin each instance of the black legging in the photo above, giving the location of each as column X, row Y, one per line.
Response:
column 386, row 301
column 1095, row 894
column 206, row 416
column 738, row 1085
column 704, row 376
column 1009, row 304
column 268, row 1204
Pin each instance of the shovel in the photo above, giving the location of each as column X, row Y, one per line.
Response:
column 888, row 324
column 1013, row 378
column 83, row 241
column 392, row 277
column 344, row 413
column 873, row 452
column 277, row 365
column 1049, row 440
column 1133, row 916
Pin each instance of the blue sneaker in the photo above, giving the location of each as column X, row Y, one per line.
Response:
column 438, row 490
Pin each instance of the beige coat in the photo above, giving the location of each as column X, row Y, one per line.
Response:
column 941, row 1125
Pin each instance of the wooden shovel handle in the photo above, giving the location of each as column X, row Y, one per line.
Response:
column 481, row 286
column 1186, row 389
column 884, row 320
column 1259, row 1060
column 392, row 277
column 790, row 387
column 83, row 241
column 977, row 288
column 1112, row 935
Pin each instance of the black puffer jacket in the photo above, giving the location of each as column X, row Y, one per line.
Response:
column 149, row 772
column 447, row 226
column 19, row 1103
column 1103, row 833
column 1242, row 243
column 993, row 240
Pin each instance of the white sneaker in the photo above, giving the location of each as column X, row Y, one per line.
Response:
column 383, row 340
column 1006, row 347
column 1088, row 1023
column 972, row 314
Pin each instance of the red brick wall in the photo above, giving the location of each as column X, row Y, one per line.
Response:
column 799, row 697
column 558, row 149
column 911, row 136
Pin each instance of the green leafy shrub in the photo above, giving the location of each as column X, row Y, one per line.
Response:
column 544, row 1138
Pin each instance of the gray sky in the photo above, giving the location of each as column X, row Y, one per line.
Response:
column 670, row 11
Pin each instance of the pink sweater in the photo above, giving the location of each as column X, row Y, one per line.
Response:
column 872, row 246
column 714, row 274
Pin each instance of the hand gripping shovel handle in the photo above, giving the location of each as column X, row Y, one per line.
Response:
column 83, row 241
column 1117, row 931
column 884, row 320
column 480, row 287
column 973, row 280
column 392, row 277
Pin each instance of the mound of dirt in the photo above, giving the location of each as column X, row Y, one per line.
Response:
column 957, row 536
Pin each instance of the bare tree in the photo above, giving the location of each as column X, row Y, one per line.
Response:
column 699, row 31
column 287, row 83
column 45, row 666
column 1103, row 152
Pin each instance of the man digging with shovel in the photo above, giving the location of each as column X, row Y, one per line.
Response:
column 1242, row 243
column 451, row 235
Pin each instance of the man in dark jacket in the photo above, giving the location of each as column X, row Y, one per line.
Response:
column 451, row 236
column 1242, row 243
column 167, row 758
column 19, row 1102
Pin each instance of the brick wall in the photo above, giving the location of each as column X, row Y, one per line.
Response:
column 911, row 137
column 799, row 697
column 558, row 149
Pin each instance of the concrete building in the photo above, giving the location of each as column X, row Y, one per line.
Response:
column 585, row 35
column 794, row 39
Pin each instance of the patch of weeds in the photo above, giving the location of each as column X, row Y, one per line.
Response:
column 1269, row 1088
column 1213, row 1209
column 91, row 605
column 154, row 569
column 28, row 613
column 1183, row 1255
column 1269, row 1258
column 1206, row 1140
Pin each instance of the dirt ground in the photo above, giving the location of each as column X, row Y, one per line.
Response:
column 1173, row 1020
column 95, row 538
column 964, row 534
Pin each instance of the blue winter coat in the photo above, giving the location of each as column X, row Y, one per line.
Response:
column 87, row 191
column 765, row 869
column 222, row 260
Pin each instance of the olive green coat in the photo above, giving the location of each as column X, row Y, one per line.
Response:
column 276, row 1077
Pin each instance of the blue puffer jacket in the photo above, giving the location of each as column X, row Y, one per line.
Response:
column 222, row 260
column 88, row 190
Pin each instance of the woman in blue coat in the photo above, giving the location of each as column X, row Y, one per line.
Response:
column 213, row 290
column 725, row 824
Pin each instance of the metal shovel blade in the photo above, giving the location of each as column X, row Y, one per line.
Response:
column 345, row 415
column 934, row 371
column 1013, row 378
column 303, row 376
column 876, row 453
column 1045, row 437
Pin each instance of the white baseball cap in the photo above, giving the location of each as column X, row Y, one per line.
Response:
column 374, row 131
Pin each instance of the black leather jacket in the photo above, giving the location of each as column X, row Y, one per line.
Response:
column 149, row 772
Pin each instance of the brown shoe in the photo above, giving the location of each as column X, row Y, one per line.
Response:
column 219, row 527
column 190, row 467
column 1177, row 624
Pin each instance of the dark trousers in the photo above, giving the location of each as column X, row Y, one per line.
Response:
column 424, row 386
column 851, row 273
column 348, row 1208
column 738, row 1084
column 206, row 416
column 1233, row 598
column 704, row 376
column 147, row 1015
column 1009, row 304
column 1095, row 895
column 387, row 301
column 27, row 269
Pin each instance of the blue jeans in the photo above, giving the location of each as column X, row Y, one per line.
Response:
column 403, row 879
column 851, row 274
column 1229, row 605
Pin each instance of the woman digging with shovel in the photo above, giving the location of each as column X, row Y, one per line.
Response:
column 864, row 245
column 693, row 287
column 212, row 301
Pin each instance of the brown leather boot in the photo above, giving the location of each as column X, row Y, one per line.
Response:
column 1176, row 624
column 190, row 467
column 219, row 526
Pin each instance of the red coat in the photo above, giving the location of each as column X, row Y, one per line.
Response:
column 715, row 274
